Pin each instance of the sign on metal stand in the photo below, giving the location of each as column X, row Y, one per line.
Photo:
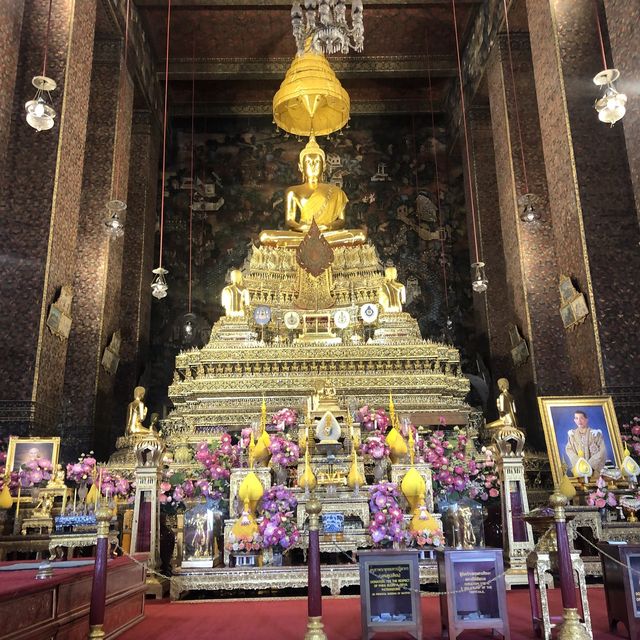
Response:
column 390, row 592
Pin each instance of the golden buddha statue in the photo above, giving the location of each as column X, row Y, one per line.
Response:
column 57, row 478
column 136, row 413
column 506, row 408
column 311, row 200
column 235, row 297
column 392, row 294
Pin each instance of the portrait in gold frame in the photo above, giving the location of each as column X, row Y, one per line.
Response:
column 21, row 450
column 558, row 415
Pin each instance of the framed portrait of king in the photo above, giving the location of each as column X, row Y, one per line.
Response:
column 583, row 427
column 24, row 450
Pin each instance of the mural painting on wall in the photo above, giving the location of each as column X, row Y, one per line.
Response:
column 242, row 167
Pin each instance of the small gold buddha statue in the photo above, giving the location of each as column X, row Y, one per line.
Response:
column 136, row 413
column 235, row 298
column 311, row 200
column 57, row 479
column 506, row 408
column 392, row 294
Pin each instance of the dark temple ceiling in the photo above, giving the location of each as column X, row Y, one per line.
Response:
column 238, row 52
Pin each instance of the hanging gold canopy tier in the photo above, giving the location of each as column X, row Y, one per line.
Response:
column 311, row 98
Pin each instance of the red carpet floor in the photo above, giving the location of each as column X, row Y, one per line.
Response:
column 286, row 619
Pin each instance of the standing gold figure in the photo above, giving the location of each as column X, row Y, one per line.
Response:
column 392, row 293
column 311, row 200
column 136, row 413
column 235, row 297
column 506, row 408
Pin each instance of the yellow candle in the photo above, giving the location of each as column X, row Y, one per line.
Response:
column 18, row 499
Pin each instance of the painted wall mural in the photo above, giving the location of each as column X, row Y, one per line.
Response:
column 242, row 167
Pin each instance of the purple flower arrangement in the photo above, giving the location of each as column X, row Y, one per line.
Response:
column 453, row 473
column 373, row 419
column 35, row 473
column 631, row 437
column 113, row 484
column 601, row 497
column 278, row 527
column 387, row 518
column 211, row 482
column 83, row 471
column 375, row 447
column 284, row 451
column 284, row 418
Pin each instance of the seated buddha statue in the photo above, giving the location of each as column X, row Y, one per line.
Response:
column 311, row 200
column 392, row 294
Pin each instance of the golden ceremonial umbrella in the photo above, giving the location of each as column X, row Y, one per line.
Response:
column 311, row 98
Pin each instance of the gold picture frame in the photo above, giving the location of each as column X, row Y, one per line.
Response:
column 559, row 417
column 21, row 450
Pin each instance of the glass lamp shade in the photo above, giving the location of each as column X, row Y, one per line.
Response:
column 39, row 113
column 159, row 286
column 479, row 282
column 114, row 225
column 528, row 212
column 613, row 105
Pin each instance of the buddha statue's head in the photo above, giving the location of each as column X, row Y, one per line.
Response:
column 390, row 273
column 312, row 160
column 236, row 276
column 138, row 393
column 503, row 384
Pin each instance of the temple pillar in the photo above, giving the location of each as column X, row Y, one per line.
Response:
column 89, row 384
column 623, row 20
column 10, row 26
column 591, row 200
column 530, row 253
column 493, row 311
column 139, row 238
column 41, row 181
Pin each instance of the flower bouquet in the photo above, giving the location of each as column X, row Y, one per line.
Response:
column 631, row 437
column 278, row 527
column 387, row 519
column 373, row 419
column 82, row 472
column 375, row 447
column 602, row 498
column 282, row 419
column 113, row 485
column 284, row 451
column 35, row 473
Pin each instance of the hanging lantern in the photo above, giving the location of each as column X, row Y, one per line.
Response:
column 113, row 223
column 39, row 111
column 159, row 286
column 613, row 105
column 528, row 212
column 479, row 282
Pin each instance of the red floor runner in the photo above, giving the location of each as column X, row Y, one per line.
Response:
column 286, row 619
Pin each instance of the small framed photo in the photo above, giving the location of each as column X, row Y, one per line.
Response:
column 567, row 290
column 583, row 426
column 23, row 450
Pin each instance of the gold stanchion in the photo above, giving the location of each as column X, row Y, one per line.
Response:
column 315, row 628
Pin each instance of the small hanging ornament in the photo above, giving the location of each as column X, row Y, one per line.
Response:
column 479, row 282
column 114, row 225
column 159, row 286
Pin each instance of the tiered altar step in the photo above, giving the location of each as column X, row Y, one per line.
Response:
column 334, row 577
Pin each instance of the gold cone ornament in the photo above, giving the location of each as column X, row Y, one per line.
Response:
column 311, row 98
column 5, row 497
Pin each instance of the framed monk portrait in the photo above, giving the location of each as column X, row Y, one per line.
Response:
column 580, row 427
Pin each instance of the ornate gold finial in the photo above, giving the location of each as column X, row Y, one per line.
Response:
column 412, row 444
column 263, row 415
column 252, row 446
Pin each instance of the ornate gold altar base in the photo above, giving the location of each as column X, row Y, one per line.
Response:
column 226, row 579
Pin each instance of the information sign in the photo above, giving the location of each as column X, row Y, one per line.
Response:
column 390, row 592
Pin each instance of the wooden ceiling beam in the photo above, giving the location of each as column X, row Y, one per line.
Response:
column 284, row 3
column 345, row 67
